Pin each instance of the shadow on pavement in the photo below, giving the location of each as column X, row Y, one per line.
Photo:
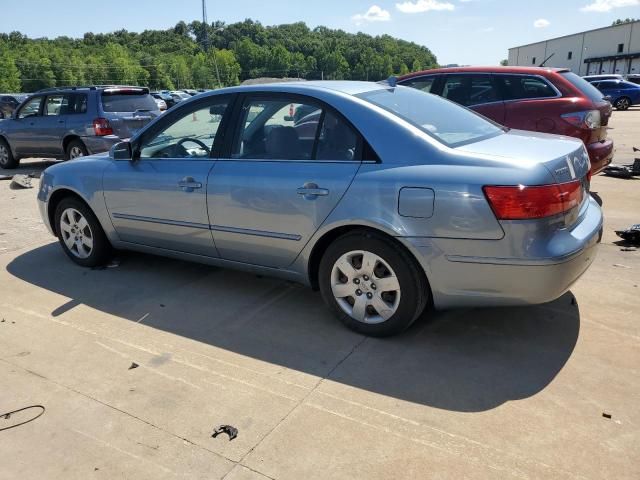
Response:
column 35, row 166
column 464, row 360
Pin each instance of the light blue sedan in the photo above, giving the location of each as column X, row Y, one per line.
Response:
column 388, row 200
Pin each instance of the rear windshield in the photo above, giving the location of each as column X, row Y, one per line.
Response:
column 585, row 87
column 127, row 102
column 446, row 121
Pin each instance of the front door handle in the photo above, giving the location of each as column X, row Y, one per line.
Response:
column 311, row 191
column 188, row 184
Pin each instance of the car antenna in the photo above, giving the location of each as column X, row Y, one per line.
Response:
column 545, row 60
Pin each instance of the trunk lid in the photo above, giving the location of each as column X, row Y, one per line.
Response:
column 128, row 109
column 565, row 158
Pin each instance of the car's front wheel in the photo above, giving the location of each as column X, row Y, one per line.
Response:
column 80, row 233
column 7, row 160
column 623, row 103
column 373, row 285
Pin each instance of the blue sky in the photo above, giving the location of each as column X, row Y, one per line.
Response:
column 457, row 31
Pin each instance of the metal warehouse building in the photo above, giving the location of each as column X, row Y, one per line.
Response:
column 614, row 49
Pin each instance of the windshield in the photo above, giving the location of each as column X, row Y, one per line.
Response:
column 446, row 121
column 121, row 102
column 585, row 87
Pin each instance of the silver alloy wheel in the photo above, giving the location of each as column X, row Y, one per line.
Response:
column 76, row 233
column 75, row 152
column 623, row 104
column 365, row 286
column 4, row 155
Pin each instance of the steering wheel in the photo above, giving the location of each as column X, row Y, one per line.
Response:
column 194, row 140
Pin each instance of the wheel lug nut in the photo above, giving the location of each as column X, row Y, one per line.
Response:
column 365, row 278
column 373, row 286
column 369, row 295
column 356, row 281
column 358, row 292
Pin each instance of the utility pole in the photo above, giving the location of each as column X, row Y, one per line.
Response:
column 205, row 25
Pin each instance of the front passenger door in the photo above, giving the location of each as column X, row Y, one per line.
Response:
column 159, row 199
column 22, row 134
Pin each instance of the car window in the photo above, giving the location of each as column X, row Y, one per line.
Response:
column 190, row 136
column 74, row 103
column 270, row 131
column 585, row 87
column 609, row 84
column 421, row 83
column 125, row 101
column 469, row 90
column 53, row 105
column 518, row 87
column 337, row 140
column 445, row 121
column 31, row 108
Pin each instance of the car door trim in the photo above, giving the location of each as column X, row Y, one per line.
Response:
column 256, row 233
column 202, row 226
column 162, row 221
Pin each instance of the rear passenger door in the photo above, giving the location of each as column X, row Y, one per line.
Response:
column 477, row 91
column 290, row 161
column 529, row 102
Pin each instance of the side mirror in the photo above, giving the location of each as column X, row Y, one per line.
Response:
column 288, row 118
column 121, row 151
column 608, row 98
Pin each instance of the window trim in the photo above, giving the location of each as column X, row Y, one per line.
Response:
column 175, row 114
column 235, row 129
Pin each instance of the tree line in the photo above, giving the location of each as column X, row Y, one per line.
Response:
column 198, row 55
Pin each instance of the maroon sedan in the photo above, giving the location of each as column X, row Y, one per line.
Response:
column 550, row 100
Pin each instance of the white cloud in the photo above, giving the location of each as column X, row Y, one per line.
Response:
column 608, row 5
column 541, row 23
column 487, row 29
column 374, row 14
column 420, row 6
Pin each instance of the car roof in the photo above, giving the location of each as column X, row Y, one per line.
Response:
column 349, row 87
column 487, row 69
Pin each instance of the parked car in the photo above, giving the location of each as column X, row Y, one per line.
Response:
column 162, row 105
column 9, row 102
column 189, row 91
column 179, row 96
column 74, row 122
column 599, row 78
column 445, row 209
column 165, row 97
column 623, row 94
column 634, row 78
column 548, row 100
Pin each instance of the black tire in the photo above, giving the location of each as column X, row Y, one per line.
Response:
column 101, row 251
column 414, row 289
column 7, row 160
column 74, row 147
column 623, row 103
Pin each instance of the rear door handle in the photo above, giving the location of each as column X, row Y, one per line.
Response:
column 311, row 191
column 188, row 184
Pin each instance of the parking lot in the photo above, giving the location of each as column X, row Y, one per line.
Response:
column 135, row 366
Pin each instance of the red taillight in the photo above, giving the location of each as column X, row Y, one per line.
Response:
column 522, row 202
column 590, row 119
column 102, row 127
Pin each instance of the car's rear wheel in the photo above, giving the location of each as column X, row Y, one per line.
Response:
column 7, row 160
column 76, row 149
column 80, row 233
column 623, row 103
column 373, row 285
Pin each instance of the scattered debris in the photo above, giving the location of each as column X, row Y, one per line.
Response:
column 618, row 265
column 623, row 171
column 631, row 234
column 606, row 415
column 6, row 177
column 8, row 415
column 628, row 249
column 133, row 365
column 21, row 181
column 115, row 263
column 228, row 429
column 162, row 305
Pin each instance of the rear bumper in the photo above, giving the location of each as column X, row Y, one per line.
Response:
column 100, row 144
column 600, row 155
column 480, row 281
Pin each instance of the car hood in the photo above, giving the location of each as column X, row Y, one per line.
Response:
column 564, row 157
